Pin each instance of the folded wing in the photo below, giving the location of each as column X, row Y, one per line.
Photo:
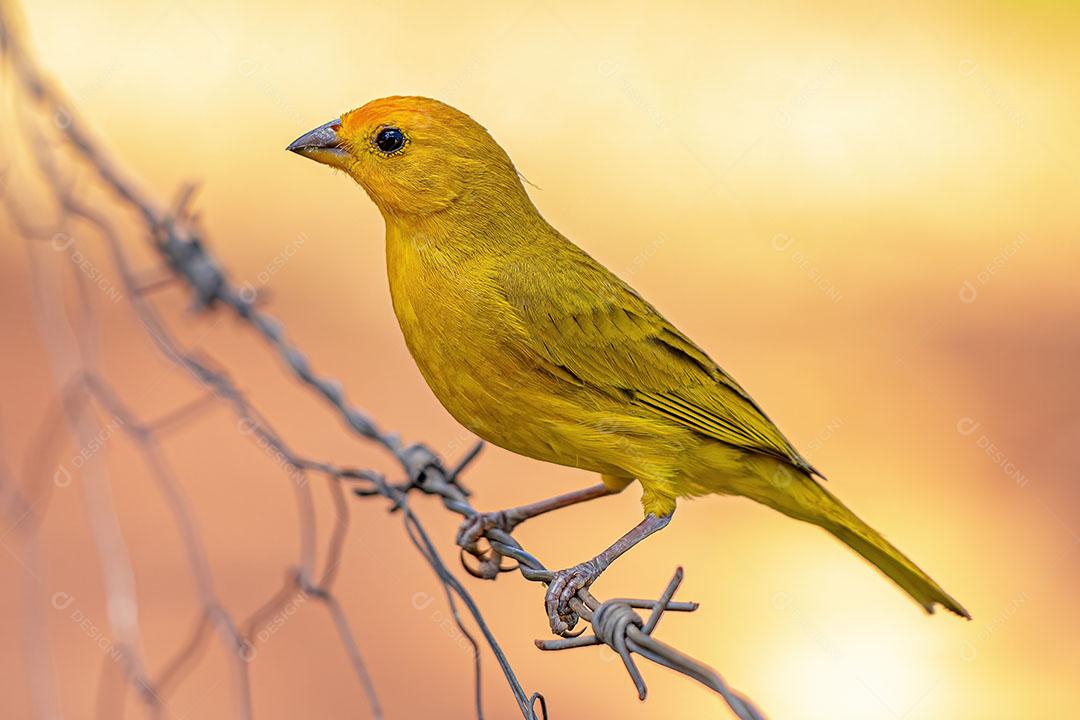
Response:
column 596, row 330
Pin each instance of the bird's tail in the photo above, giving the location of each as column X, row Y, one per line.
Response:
column 800, row 496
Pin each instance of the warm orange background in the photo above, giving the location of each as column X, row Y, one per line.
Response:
column 866, row 214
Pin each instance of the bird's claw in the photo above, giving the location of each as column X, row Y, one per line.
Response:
column 474, row 527
column 489, row 562
column 564, row 585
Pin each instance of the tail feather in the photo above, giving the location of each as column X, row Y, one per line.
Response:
column 897, row 566
column 800, row 496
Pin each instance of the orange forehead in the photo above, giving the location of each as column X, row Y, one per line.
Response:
column 409, row 112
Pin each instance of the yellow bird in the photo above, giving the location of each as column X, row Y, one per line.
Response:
column 536, row 347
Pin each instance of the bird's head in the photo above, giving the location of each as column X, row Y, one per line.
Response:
column 413, row 155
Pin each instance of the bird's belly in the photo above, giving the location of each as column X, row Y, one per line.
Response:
column 492, row 393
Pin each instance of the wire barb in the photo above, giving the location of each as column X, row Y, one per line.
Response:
column 615, row 623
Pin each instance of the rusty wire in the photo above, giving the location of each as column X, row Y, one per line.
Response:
column 82, row 387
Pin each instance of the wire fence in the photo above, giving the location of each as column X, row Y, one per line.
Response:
column 87, row 189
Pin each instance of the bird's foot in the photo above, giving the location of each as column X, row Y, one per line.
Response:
column 473, row 529
column 564, row 585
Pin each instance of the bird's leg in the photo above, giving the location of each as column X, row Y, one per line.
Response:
column 476, row 525
column 566, row 583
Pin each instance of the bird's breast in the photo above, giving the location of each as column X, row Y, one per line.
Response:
column 458, row 330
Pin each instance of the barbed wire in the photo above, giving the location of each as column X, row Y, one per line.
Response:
column 57, row 148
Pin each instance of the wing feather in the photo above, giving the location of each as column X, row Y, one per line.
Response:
column 598, row 330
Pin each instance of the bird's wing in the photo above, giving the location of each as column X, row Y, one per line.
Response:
column 585, row 324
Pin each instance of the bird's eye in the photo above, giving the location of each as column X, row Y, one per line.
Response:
column 390, row 140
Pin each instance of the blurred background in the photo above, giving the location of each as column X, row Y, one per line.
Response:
column 865, row 212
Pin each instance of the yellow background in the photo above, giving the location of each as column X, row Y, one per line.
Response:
column 865, row 212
